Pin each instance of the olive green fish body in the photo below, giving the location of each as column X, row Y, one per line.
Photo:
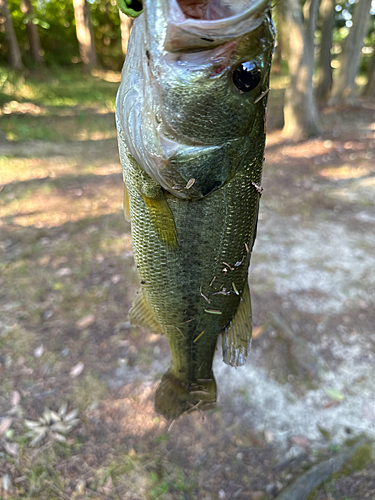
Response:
column 193, row 209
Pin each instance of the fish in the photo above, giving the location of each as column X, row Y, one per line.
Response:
column 190, row 116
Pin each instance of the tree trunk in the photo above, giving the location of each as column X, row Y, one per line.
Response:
column 300, row 110
column 343, row 91
column 324, row 85
column 85, row 32
column 310, row 16
column 370, row 86
column 32, row 33
column 277, row 60
column 277, row 55
column 14, row 54
column 126, row 27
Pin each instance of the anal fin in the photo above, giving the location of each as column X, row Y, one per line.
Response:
column 162, row 218
column 140, row 314
column 236, row 339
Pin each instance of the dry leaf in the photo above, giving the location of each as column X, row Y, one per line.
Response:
column 64, row 271
column 107, row 488
column 86, row 321
column 77, row 370
column 16, row 398
column 257, row 331
column 80, row 487
column 38, row 352
column 5, row 424
column 334, row 394
column 300, row 441
column 44, row 260
column 268, row 436
column 11, row 448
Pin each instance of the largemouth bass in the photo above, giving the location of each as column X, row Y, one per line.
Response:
column 190, row 116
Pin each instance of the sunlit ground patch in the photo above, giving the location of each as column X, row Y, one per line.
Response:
column 60, row 126
column 87, row 135
column 107, row 75
column 48, row 207
column 346, row 171
column 135, row 412
column 22, row 108
column 47, row 192
column 306, row 149
column 24, row 169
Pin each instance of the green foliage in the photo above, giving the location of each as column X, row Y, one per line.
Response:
column 362, row 457
column 56, row 28
column 106, row 24
column 159, row 490
column 59, row 39
column 57, row 32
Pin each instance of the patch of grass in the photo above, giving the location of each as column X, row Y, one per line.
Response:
column 59, row 87
column 145, row 355
column 17, row 340
column 360, row 459
column 86, row 390
column 63, row 106
column 149, row 475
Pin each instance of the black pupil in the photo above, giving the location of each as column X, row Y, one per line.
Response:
column 246, row 76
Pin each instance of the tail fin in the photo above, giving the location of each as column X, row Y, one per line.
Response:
column 174, row 397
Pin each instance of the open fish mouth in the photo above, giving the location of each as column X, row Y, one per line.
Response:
column 201, row 25
column 193, row 8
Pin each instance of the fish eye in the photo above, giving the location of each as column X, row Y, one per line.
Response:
column 246, row 76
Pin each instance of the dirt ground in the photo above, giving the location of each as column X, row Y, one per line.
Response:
column 67, row 281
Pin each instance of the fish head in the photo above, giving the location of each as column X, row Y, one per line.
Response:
column 202, row 93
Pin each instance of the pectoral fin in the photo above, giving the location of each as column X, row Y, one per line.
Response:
column 140, row 314
column 236, row 339
column 162, row 218
column 126, row 204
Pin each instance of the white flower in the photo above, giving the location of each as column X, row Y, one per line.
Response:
column 52, row 425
